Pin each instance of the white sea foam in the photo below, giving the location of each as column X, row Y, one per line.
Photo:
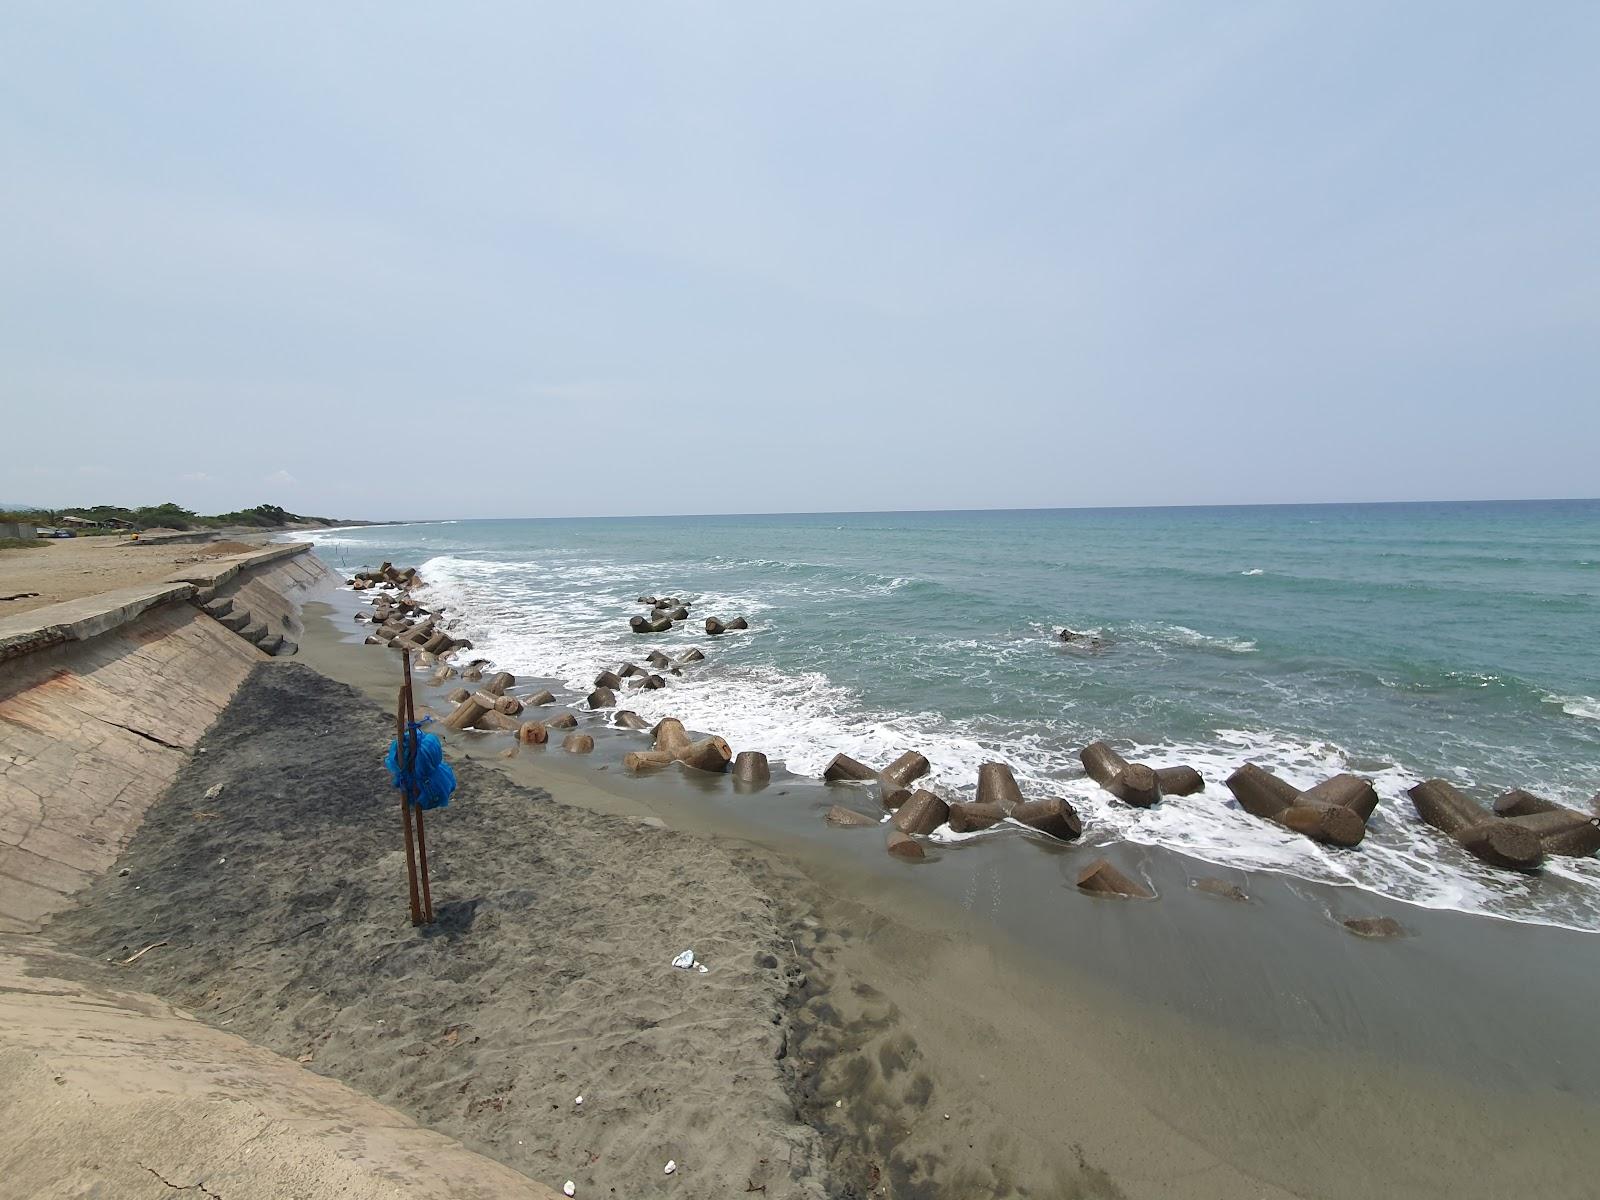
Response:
column 1253, row 571
column 566, row 619
column 1586, row 707
column 1182, row 635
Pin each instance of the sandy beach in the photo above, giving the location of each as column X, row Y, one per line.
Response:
column 965, row 1025
column 60, row 569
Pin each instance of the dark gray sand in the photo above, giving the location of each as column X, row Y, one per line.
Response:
column 281, row 901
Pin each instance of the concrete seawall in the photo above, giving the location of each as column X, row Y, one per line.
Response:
column 105, row 1091
column 91, row 733
column 100, row 700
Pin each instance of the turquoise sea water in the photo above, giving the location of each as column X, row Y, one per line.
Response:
column 1399, row 640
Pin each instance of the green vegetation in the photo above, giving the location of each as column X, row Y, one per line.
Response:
column 21, row 543
column 169, row 516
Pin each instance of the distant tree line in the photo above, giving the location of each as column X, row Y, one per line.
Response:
column 168, row 516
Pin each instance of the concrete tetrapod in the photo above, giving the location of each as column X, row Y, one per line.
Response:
column 1101, row 762
column 457, row 696
column 1135, row 784
column 1179, row 781
column 1518, row 803
column 469, row 711
column 708, row 754
column 1498, row 842
column 751, row 769
column 608, row 679
column 564, row 721
column 842, row 816
column 998, row 786
column 657, row 659
column 893, row 798
column 1348, row 791
column 903, row 771
column 1263, row 794
column 969, row 818
column 904, row 846
column 1055, row 817
column 693, row 655
column 646, row 760
column 1563, row 833
column 1132, row 783
column 532, row 733
column 639, row 624
column 626, row 718
column 499, row 682
column 602, row 697
column 540, row 699
column 577, row 743
column 923, row 813
column 670, row 735
column 1103, row 879
column 843, row 767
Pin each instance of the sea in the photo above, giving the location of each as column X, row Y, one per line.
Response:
column 1399, row 641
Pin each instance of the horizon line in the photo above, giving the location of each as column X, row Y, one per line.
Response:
column 890, row 512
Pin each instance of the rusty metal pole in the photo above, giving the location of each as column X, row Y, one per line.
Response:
column 411, row 758
column 405, row 806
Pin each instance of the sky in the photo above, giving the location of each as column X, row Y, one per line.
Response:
column 408, row 260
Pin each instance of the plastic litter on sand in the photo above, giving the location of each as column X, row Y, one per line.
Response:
column 671, row 1167
column 569, row 1188
column 684, row 961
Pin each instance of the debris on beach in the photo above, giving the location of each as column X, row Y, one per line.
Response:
column 569, row 1188
column 1219, row 887
column 684, row 961
column 1374, row 927
column 670, row 1167
column 214, row 791
column 133, row 958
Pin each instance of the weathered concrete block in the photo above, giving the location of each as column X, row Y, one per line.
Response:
column 751, row 768
column 844, row 768
column 922, row 813
column 1101, row 878
column 1055, row 817
column 904, row 846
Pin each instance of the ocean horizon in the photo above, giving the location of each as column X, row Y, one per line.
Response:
column 1065, row 508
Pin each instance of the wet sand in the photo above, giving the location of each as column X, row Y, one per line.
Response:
column 1193, row 1046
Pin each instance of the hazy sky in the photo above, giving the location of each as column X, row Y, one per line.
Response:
column 505, row 260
